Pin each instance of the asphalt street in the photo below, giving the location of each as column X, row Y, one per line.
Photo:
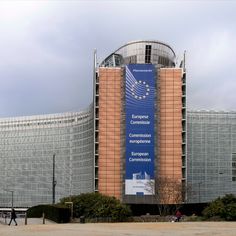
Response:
column 36, row 228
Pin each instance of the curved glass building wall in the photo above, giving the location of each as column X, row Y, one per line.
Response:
column 142, row 52
column 26, row 163
column 211, row 150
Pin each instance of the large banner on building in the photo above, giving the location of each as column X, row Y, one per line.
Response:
column 140, row 110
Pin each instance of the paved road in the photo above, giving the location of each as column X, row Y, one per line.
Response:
column 123, row 229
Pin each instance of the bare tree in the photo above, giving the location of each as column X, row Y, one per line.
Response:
column 168, row 193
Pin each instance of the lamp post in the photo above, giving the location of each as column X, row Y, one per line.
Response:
column 199, row 191
column 54, row 182
column 12, row 196
column 220, row 174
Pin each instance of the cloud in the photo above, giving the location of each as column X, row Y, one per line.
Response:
column 47, row 49
column 211, row 77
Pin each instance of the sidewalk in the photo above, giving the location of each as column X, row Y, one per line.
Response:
column 122, row 229
column 30, row 221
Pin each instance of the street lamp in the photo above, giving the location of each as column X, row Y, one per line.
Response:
column 199, row 191
column 12, row 196
column 54, row 182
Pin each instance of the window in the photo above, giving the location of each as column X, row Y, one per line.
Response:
column 148, row 50
column 131, row 60
column 163, row 61
column 233, row 166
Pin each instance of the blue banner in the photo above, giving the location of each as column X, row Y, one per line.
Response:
column 140, row 111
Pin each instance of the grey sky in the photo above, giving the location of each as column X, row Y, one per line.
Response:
column 46, row 49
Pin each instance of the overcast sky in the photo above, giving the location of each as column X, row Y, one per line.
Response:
column 46, row 49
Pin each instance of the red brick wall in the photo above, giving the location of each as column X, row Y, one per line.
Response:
column 110, row 105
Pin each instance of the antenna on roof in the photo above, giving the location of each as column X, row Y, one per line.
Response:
column 95, row 59
column 183, row 62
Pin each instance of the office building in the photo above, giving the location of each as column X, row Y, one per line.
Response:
column 26, row 157
column 139, row 111
column 135, row 141
column 211, row 163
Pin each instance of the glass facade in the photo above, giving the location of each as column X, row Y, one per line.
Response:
column 26, row 157
column 211, row 148
column 197, row 147
column 140, row 52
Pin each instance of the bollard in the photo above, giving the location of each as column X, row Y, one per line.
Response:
column 25, row 218
column 43, row 218
column 82, row 219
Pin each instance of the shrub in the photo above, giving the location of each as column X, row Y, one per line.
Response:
column 96, row 205
column 224, row 208
column 230, row 212
column 120, row 212
column 216, row 208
